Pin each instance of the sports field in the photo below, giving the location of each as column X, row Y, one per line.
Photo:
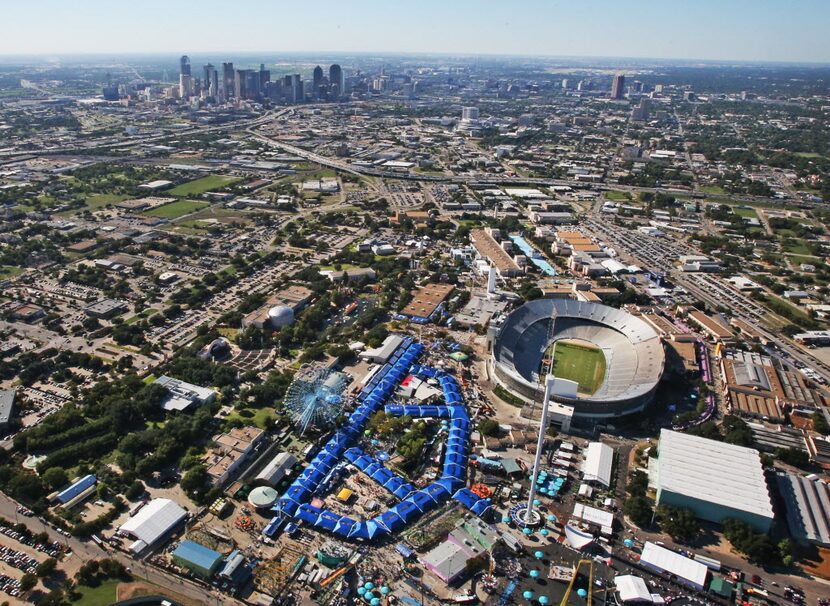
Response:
column 200, row 186
column 580, row 363
column 177, row 209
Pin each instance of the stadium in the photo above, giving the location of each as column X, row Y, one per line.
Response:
column 615, row 358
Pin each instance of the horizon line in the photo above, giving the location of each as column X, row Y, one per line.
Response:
column 439, row 54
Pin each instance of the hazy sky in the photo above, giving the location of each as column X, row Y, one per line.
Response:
column 755, row 30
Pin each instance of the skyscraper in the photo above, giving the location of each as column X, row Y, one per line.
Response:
column 185, row 79
column 317, row 80
column 209, row 81
column 618, row 86
column 228, row 79
column 264, row 76
column 336, row 80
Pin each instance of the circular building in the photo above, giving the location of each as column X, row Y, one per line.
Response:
column 615, row 358
column 263, row 497
column 280, row 315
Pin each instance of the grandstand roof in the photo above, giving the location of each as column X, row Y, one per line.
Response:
column 633, row 350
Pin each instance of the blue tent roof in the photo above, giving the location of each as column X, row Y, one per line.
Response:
column 420, row 500
column 481, row 507
column 391, row 520
column 438, row 492
column 453, row 470
column 406, row 510
column 327, row 520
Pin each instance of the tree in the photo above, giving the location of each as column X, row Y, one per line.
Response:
column 55, row 477
column 638, row 509
column 195, row 482
column 680, row 523
column 46, row 567
column 488, row 427
column 27, row 582
column 820, row 423
column 793, row 456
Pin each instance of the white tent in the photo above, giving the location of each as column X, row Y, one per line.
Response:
column 154, row 521
column 632, row 589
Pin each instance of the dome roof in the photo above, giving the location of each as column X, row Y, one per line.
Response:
column 262, row 497
column 280, row 315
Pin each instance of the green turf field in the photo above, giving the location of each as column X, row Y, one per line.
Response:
column 200, row 186
column 580, row 363
column 176, row 209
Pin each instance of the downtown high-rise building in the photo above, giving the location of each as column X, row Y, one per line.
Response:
column 228, row 76
column 185, row 78
column 618, row 87
column 317, row 80
column 337, row 82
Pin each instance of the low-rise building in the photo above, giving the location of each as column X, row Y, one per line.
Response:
column 224, row 460
column 183, row 395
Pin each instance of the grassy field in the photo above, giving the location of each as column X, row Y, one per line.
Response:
column 103, row 595
column 748, row 213
column 99, row 200
column 617, row 196
column 253, row 416
column 9, row 271
column 712, row 189
column 585, row 365
column 200, row 186
column 177, row 209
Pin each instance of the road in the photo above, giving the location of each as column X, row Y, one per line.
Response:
column 84, row 551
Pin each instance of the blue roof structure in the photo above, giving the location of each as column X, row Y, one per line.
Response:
column 69, row 493
column 197, row 556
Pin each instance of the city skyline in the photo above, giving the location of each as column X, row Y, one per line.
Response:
column 764, row 31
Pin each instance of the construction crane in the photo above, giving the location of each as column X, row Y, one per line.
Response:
column 567, row 595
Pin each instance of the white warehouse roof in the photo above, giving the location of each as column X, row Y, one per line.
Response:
column 632, row 589
column 713, row 472
column 275, row 471
column 155, row 520
column 599, row 458
column 665, row 560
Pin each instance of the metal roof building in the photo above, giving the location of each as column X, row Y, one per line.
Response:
column 6, row 405
column 152, row 523
column 275, row 471
column 197, row 558
column 808, row 507
column 599, row 459
column 714, row 479
column 664, row 560
column 76, row 488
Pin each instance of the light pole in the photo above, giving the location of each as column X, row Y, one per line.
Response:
column 530, row 517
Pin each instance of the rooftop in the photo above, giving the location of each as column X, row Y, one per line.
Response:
column 713, row 472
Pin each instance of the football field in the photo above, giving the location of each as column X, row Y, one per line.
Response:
column 580, row 363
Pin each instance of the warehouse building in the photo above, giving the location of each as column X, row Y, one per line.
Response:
column 197, row 558
column 808, row 508
column 153, row 523
column 713, row 479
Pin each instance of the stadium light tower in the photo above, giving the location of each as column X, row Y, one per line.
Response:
column 529, row 516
